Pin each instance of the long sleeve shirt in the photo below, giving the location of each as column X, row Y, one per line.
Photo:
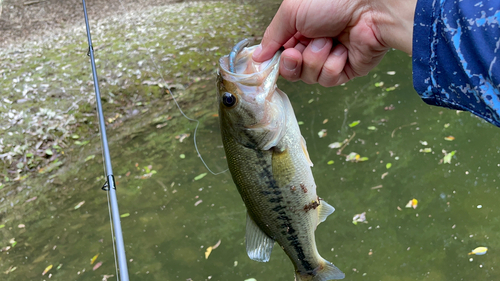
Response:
column 456, row 55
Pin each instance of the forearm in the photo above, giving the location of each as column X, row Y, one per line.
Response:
column 394, row 21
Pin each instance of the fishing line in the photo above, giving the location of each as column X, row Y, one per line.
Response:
column 109, row 185
column 140, row 41
column 112, row 236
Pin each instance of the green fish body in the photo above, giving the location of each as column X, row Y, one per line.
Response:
column 270, row 165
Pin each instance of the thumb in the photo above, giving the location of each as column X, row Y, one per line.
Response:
column 279, row 31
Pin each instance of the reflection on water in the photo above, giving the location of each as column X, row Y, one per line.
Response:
column 173, row 218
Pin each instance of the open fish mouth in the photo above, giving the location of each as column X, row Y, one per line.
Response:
column 235, row 51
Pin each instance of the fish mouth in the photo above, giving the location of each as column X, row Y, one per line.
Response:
column 235, row 51
column 236, row 67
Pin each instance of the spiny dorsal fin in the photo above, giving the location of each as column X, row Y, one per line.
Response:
column 259, row 245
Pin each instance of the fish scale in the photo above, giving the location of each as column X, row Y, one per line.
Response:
column 270, row 166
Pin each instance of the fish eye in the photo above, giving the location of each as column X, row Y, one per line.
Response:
column 228, row 99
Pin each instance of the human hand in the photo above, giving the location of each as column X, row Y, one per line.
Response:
column 331, row 42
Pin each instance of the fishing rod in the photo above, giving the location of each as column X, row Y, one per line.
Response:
column 110, row 182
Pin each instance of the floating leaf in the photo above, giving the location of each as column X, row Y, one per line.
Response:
column 59, row 266
column 412, row 203
column 379, row 84
column 300, row 123
column 47, row 269
column 92, row 260
column 182, row 156
column 391, row 72
column 388, row 165
column 21, row 225
column 372, row 128
column 324, row 121
column 200, row 176
column 208, row 251
column 75, row 136
column 361, row 159
column 97, row 265
column 2, row 225
column 479, row 251
column 384, row 175
column 449, row 138
column 447, row 125
column 79, row 205
column 335, row 145
column 426, row 150
column 322, row 133
column 359, row 218
column 251, row 279
column 198, row 202
column 447, row 157
column 211, row 248
column 355, row 123
column 124, row 215
column 330, row 162
column 310, row 101
column 353, row 156
column 423, row 142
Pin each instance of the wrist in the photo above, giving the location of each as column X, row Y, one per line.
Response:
column 394, row 21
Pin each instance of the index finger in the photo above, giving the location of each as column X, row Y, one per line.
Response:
column 279, row 31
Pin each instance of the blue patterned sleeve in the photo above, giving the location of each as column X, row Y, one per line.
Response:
column 456, row 55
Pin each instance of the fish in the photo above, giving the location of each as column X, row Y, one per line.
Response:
column 269, row 163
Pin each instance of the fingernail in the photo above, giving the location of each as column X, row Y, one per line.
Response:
column 318, row 44
column 257, row 52
column 339, row 50
column 289, row 64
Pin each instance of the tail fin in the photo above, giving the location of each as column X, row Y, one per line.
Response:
column 327, row 271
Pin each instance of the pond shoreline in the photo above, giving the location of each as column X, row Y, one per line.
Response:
column 48, row 106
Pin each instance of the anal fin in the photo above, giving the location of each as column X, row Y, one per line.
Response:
column 259, row 245
column 324, row 210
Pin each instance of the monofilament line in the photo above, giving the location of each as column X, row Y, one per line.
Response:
column 173, row 98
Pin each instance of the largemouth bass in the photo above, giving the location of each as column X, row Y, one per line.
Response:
column 270, row 165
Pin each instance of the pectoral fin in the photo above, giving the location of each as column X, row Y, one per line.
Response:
column 304, row 149
column 259, row 245
column 324, row 210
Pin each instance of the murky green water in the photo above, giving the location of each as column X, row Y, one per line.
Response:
column 173, row 219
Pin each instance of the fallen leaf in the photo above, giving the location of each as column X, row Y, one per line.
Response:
column 200, row 176
column 335, row 145
column 359, row 218
column 79, row 205
column 355, row 123
column 208, row 251
column 479, row 251
column 97, row 265
column 412, row 203
column 322, row 133
column 447, row 156
column 92, row 260
column 47, row 269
